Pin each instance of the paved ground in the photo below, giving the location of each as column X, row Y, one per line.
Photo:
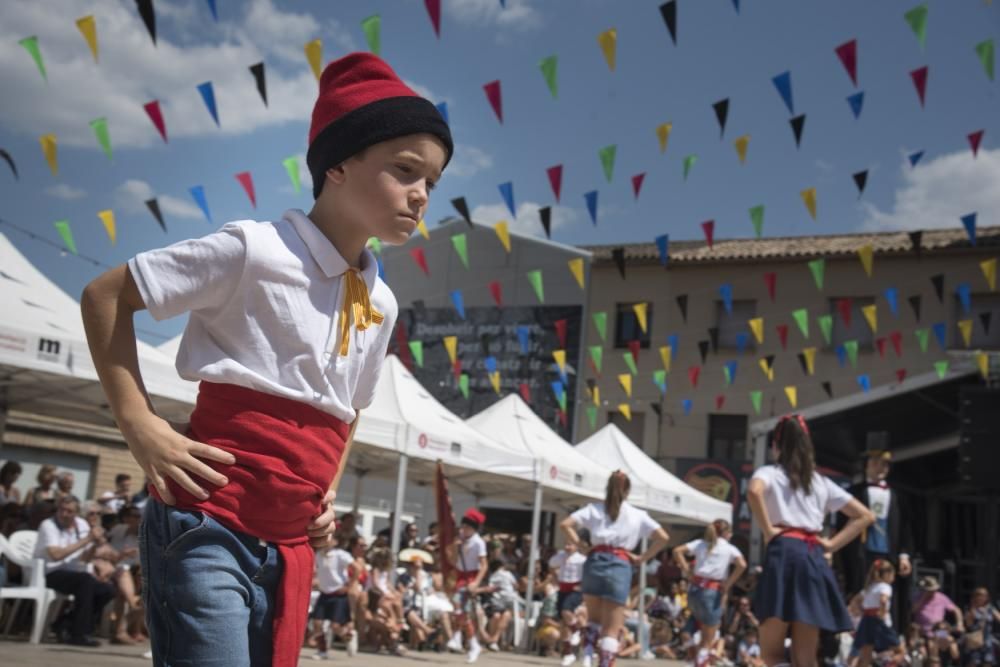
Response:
column 21, row 654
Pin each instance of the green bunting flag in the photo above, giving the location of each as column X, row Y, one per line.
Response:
column 608, row 160
column 818, row 268
column 756, row 396
column 373, row 33
column 375, row 244
column 917, row 18
column 826, row 326
column 923, row 336
column 727, row 375
column 417, row 350
column 942, row 368
column 601, row 323
column 100, row 127
column 630, row 362
column 459, row 241
column 757, row 218
column 986, row 56
column 549, row 67
column 292, row 167
column 688, row 163
column 592, row 416
column 597, row 356
column 463, row 385
column 660, row 379
column 852, row 352
column 802, row 319
column 30, row 45
column 62, row 226
column 535, row 278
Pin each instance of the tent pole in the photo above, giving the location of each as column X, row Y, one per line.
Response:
column 359, row 475
column 759, row 459
column 643, row 631
column 397, row 516
column 536, row 521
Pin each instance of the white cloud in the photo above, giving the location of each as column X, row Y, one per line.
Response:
column 468, row 160
column 937, row 193
column 132, row 71
column 131, row 197
column 518, row 14
column 67, row 192
column 527, row 221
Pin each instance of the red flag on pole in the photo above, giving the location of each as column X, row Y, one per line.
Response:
column 447, row 532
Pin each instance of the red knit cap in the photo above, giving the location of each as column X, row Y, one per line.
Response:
column 362, row 102
column 474, row 515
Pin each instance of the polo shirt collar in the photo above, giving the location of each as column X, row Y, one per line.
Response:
column 325, row 253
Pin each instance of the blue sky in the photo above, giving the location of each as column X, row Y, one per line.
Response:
column 720, row 53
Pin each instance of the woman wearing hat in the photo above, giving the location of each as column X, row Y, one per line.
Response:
column 616, row 529
column 472, row 567
column 797, row 593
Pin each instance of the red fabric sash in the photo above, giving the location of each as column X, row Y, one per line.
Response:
column 287, row 454
column 615, row 551
column 874, row 611
column 702, row 582
column 809, row 537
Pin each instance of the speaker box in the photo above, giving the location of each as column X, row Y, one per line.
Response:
column 979, row 439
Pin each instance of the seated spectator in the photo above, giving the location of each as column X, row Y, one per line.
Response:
column 65, row 542
column 748, row 653
column 982, row 621
column 45, row 490
column 942, row 646
column 547, row 629
column 390, row 601
column 416, row 586
column 410, row 537
column 741, row 619
column 916, row 646
column 347, row 528
column 64, row 485
column 124, row 540
column 930, row 608
column 114, row 501
column 498, row 604
column 430, row 543
column 661, row 634
column 9, row 474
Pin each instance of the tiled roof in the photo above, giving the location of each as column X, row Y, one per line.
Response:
column 799, row 247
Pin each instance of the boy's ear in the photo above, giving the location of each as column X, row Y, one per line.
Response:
column 336, row 174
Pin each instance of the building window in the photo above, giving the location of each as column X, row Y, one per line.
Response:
column 734, row 325
column 858, row 329
column 984, row 307
column 727, row 437
column 627, row 325
column 633, row 429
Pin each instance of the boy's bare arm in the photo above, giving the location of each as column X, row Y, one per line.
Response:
column 324, row 525
column 108, row 305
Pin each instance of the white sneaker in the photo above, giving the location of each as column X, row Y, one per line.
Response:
column 474, row 651
column 320, row 655
column 574, row 639
column 455, row 644
column 352, row 644
column 493, row 646
column 588, row 661
column 567, row 660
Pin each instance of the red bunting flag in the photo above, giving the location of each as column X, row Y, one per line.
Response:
column 155, row 115
column 919, row 77
column 848, row 54
column 901, row 375
column 974, row 140
column 456, row 369
column 418, row 256
column 525, row 392
column 434, row 12
column 555, row 179
column 561, row 333
column 708, row 227
column 771, row 280
column 633, row 347
column 637, row 183
column 492, row 90
column 246, row 180
column 896, row 338
column 563, row 419
column 844, row 307
column 496, row 292
column 720, row 400
column 880, row 344
column 693, row 373
column 783, row 335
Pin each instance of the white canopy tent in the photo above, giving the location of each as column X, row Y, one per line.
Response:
column 655, row 487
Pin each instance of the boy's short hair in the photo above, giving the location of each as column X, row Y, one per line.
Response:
column 121, row 477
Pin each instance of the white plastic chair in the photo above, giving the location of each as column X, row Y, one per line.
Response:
column 20, row 550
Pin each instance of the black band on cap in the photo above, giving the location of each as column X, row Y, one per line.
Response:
column 373, row 123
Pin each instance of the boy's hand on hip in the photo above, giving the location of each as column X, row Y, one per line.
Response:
column 321, row 529
column 164, row 452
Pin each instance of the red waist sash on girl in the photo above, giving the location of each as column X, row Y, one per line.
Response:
column 464, row 577
column 873, row 611
column 702, row 582
column 809, row 537
column 615, row 551
column 287, row 454
column 569, row 586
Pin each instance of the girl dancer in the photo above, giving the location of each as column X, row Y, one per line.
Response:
column 713, row 556
column 797, row 589
column 616, row 528
column 568, row 564
column 875, row 633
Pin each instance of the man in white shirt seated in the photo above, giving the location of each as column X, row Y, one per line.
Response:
column 65, row 542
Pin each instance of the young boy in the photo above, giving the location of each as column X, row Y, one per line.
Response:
column 288, row 328
column 472, row 568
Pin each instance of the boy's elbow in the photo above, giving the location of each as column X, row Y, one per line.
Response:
column 868, row 517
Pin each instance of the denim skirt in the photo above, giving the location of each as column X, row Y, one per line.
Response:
column 607, row 576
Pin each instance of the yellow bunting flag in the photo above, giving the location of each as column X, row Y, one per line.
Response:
column 608, row 41
column 989, row 267
column 867, row 255
column 625, row 410
column 768, row 370
column 741, row 144
column 665, row 355
column 422, row 228
column 503, row 234
column 560, row 357
column 88, row 28
column 48, row 142
column 871, row 315
column 576, row 268
column 495, row 381
column 757, row 327
column 597, row 395
column 626, row 381
column 314, row 54
column 809, row 354
column 641, row 309
column 663, row 133
column 108, row 218
column 809, row 198
column 983, row 362
column 793, row 395
column 451, row 345
column 965, row 326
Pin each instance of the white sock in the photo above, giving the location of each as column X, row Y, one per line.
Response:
column 609, row 644
column 473, row 643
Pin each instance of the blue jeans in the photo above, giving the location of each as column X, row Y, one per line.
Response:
column 209, row 592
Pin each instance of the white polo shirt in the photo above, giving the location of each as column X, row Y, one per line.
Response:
column 332, row 569
column 713, row 564
column 632, row 525
column 52, row 534
column 795, row 509
column 264, row 300
column 570, row 566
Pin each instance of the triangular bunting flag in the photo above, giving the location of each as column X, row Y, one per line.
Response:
column 597, row 357
column 625, row 380
column 618, row 255
column 591, row 199
column 757, row 328
column 801, row 317
column 640, row 310
column 848, row 55
column 576, row 268
column 418, row 256
column 826, row 327
column 792, row 394
column 507, row 192
column 417, row 350
column 721, row 109
column 497, row 292
column 757, row 219
column 783, row 335
column 549, row 67
column 463, row 209
column 198, row 194
column 871, row 316
column 965, row 327
column 495, row 97
column 458, row 241
column 798, row 123
column 257, row 70
column 818, row 268
column 682, row 305
column 608, row 41
column 545, row 216
column 108, row 220
column 989, row 268
column 601, row 324
column 154, row 208
column 503, row 234
column 555, row 179
column 663, row 134
column 809, row 199
column 66, row 234
column 535, row 278
column 741, row 144
column 919, row 77
column 458, row 302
